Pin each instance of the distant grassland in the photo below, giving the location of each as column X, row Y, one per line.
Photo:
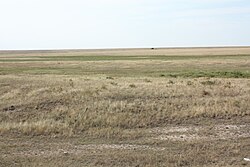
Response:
column 223, row 62
column 114, row 58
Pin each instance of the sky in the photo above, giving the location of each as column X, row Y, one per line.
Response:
column 88, row 24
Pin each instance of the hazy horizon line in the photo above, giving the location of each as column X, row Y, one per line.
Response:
column 121, row 48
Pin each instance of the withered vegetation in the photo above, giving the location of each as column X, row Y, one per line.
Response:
column 158, row 107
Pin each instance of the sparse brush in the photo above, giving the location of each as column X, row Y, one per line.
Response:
column 173, row 75
column 189, row 83
column 132, row 86
column 114, row 83
column 206, row 93
column 71, row 83
column 147, row 80
column 104, row 87
column 170, row 82
column 108, row 77
column 162, row 75
column 208, row 82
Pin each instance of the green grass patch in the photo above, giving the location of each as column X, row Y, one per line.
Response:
column 115, row 58
column 211, row 74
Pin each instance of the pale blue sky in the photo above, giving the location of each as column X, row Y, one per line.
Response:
column 64, row 24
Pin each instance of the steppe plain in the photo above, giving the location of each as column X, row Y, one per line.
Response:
column 125, row 107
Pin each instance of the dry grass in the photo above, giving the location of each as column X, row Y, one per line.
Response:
column 125, row 112
column 127, row 52
column 63, row 105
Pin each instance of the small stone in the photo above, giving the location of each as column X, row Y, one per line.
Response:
column 247, row 159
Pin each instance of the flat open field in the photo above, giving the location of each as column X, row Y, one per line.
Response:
column 125, row 107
